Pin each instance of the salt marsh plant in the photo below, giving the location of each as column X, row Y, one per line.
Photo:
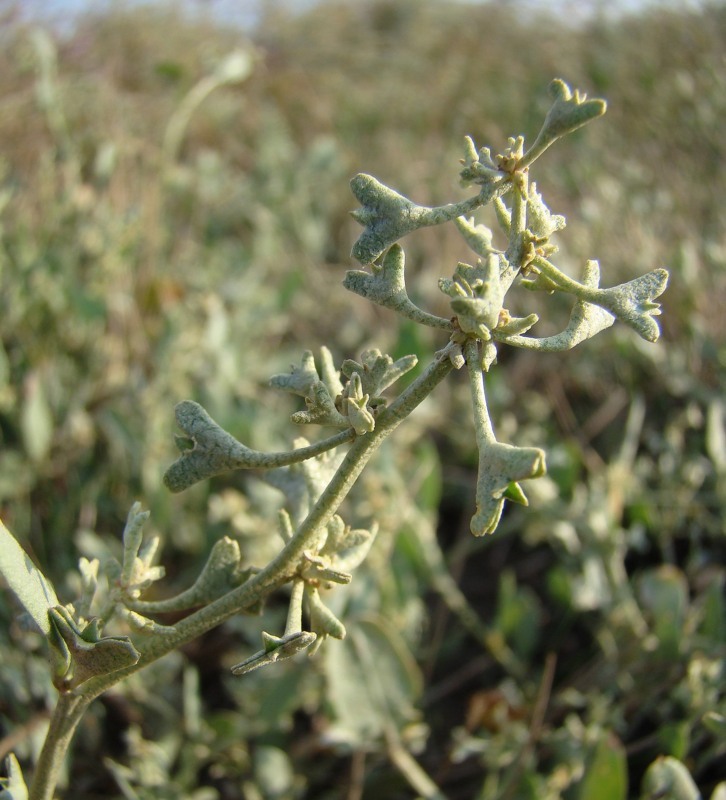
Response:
column 113, row 630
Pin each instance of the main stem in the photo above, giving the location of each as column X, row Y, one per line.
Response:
column 71, row 706
column 66, row 716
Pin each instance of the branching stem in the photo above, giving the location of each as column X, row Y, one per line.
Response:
column 279, row 571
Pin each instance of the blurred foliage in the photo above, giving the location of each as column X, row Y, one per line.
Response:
column 589, row 633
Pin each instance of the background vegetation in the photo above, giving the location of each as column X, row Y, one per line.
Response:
column 147, row 257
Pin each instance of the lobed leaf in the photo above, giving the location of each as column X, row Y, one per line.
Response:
column 81, row 654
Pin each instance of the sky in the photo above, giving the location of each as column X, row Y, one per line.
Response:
column 239, row 11
column 246, row 11
column 230, row 9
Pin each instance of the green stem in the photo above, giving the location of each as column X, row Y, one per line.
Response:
column 294, row 612
column 519, row 206
column 438, row 215
column 411, row 770
column 66, row 716
column 515, row 253
column 482, row 422
column 71, row 706
column 566, row 284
